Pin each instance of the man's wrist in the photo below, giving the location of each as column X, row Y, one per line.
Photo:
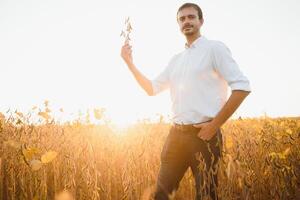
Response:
column 215, row 123
column 130, row 65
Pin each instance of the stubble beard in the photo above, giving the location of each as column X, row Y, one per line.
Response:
column 190, row 32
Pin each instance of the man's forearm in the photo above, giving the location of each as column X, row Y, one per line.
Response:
column 230, row 107
column 143, row 81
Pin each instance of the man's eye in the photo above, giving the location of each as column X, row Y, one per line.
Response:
column 191, row 16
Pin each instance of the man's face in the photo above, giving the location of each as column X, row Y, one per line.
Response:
column 188, row 21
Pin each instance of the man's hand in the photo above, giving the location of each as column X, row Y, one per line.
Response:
column 126, row 53
column 207, row 130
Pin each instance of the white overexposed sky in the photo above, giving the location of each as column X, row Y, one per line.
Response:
column 68, row 52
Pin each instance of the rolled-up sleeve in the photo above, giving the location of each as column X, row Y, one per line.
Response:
column 228, row 68
column 162, row 81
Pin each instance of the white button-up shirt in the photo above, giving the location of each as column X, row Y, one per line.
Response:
column 198, row 80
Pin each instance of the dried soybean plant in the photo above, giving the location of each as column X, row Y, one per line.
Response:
column 126, row 33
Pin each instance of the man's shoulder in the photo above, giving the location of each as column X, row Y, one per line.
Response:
column 215, row 43
column 217, row 46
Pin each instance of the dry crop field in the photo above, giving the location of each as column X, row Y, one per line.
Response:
column 80, row 160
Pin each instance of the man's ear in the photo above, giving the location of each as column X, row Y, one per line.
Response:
column 202, row 21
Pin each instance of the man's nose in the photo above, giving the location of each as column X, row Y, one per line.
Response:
column 186, row 23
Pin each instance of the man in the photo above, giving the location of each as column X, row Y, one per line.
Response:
column 198, row 78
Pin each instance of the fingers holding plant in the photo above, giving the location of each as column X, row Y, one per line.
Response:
column 126, row 51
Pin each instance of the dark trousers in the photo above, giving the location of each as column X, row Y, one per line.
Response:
column 181, row 150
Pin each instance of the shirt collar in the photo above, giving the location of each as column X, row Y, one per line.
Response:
column 196, row 43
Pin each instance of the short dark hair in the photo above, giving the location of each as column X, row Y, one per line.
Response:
column 193, row 5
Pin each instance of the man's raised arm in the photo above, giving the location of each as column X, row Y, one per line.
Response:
column 144, row 82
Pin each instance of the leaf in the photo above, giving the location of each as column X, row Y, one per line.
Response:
column 289, row 131
column 35, row 165
column 129, row 28
column 98, row 113
column 29, row 153
column 122, row 34
column 48, row 157
column 19, row 114
column 2, row 116
column 229, row 142
column 19, row 122
column 46, row 103
column 45, row 115
column 286, row 151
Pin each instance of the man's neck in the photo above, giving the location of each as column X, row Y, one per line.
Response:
column 190, row 39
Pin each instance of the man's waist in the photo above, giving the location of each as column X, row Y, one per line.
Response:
column 187, row 127
column 191, row 117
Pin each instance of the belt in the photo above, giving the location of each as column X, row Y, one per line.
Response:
column 184, row 127
column 187, row 127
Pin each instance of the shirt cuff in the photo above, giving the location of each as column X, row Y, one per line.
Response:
column 245, row 86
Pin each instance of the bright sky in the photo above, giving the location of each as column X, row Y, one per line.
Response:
column 68, row 52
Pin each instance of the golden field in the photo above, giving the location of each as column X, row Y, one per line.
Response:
column 261, row 159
